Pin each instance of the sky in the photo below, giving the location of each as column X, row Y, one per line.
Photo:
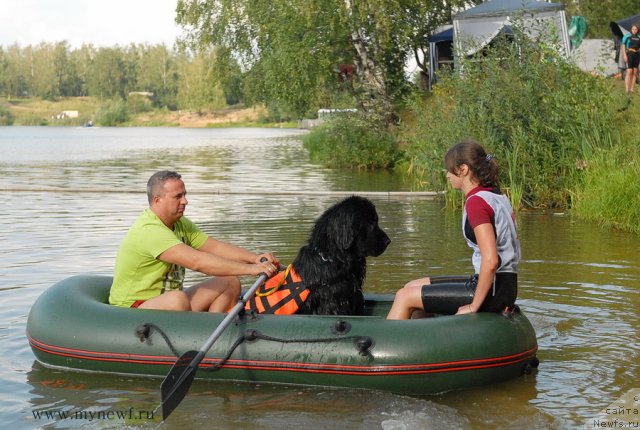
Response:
column 99, row 22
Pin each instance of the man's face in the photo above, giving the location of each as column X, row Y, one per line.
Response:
column 171, row 205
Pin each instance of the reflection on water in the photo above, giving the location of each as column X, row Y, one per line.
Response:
column 260, row 160
column 578, row 284
column 232, row 405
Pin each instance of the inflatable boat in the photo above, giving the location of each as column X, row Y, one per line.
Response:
column 71, row 326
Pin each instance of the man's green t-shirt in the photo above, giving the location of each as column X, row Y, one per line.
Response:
column 139, row 274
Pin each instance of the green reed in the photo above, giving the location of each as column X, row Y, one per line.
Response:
column 525, row 104
column 609, row 192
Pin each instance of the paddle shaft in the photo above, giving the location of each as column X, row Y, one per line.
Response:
column 230, row 316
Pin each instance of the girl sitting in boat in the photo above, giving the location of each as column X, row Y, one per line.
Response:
column 489, row 227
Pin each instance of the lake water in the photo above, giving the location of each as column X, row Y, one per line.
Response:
column 70, row 194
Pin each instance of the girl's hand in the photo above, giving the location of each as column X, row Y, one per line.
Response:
column 466, row 309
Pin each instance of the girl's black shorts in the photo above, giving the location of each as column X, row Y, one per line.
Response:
column 447, row 293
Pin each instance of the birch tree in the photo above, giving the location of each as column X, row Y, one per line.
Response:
column 291, row 50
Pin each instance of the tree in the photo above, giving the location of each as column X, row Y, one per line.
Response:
column 107, row 74
column 422, row 19
column 282, row 61
column 157, row 73
column 4, row 67
column 599, row 13
column 371, row 34
column 63, row 70
column 290, row 49
column 16, row 82
column 130, row 59
column 226, row 66
column 197, row 89
column 82, row 60
column 42, row 72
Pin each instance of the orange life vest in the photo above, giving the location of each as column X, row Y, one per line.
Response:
column 282, row 294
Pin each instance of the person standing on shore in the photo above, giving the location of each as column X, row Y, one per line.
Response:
column 631, row 52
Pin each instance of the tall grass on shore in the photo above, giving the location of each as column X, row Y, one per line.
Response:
column 609, row 192
column 537, row 113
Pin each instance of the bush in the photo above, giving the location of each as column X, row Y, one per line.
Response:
column 112, row 113
column 537, row 113
column 139, row 103
column 352, row 141
column 6, row 117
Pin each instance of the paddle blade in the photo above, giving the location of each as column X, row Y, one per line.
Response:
column 177, row 383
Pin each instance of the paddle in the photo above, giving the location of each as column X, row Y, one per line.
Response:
column 179, row 379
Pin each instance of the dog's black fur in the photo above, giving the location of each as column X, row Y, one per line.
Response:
column 333, row 262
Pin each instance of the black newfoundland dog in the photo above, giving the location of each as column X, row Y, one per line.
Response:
column 331, row 267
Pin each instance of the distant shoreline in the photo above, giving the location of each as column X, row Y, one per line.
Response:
column 37, row 112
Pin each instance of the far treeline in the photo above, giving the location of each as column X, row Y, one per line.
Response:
column 173, row 79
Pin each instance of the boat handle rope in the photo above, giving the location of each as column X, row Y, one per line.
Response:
column 144, row 331
column 361, row 343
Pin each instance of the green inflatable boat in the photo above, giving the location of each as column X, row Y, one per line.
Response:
column 71, row 326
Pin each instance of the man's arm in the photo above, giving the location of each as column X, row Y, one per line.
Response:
column 228, row 251
column 238, row 262
column 232, row 252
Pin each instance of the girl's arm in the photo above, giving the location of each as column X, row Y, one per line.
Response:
column 486, row 239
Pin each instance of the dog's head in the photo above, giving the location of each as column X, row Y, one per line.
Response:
column 350, row 227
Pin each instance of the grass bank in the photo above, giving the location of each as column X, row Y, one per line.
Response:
column 38, row 112
column 33, row 111
column 608, row 185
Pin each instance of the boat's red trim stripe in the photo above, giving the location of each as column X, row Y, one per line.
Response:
column 470, row 362
column 100, row 355
column 405, row 369
column 342, row 369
